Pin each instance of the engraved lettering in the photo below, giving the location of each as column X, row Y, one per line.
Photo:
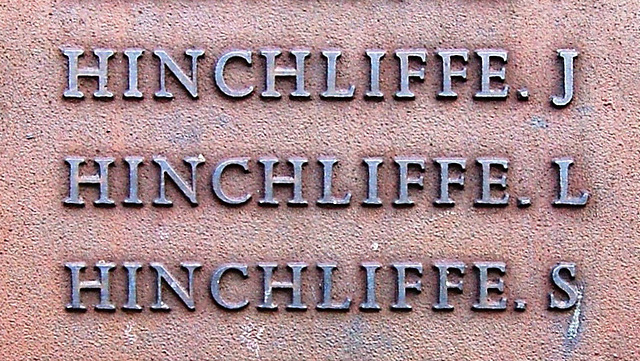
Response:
column 327, row 174
column 166, row 169
column 295, row 286
column 402, row 285
column 101, row 72
column 132, row 286
column 331, row 92
column 369, row 303
column 405, row 181
column 572, row 294
column 487, row 74
column 217, row 184
column 447, row 74
column 406, row 73
column 372, row 199
column 568, row 56
column 272, row 72
column 215, row 286
column 101, row 179
column 166, row 62
column 564, row 199
column 444, row 285
column 327, row 304
column 487, row 182
column 133, row 163
column 374, row 91
column 219, row 73
column 565, row 294
column 270, row 180
column 186, row 296
column 78, row 286
column 446, row 181
column 132, row 91
column 484, row 303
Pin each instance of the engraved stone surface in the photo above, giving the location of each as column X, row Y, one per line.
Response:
column 416, row 217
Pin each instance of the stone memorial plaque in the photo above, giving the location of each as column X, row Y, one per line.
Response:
column 319, row 180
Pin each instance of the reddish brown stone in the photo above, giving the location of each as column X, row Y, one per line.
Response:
column 39, row 128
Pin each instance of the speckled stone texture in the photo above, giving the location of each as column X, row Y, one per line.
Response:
column 599, row 130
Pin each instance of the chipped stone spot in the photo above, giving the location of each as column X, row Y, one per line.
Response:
column 523, row 94
column 442, row 215
column 574, row 325
column 251, row 337
column 584, row 109
column 223, row 119
column 130, row 337
column 539, row 122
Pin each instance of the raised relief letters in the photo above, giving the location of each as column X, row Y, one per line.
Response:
column 488, row 183
column 288, row 283
column 283, row 182
column 486, row 67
